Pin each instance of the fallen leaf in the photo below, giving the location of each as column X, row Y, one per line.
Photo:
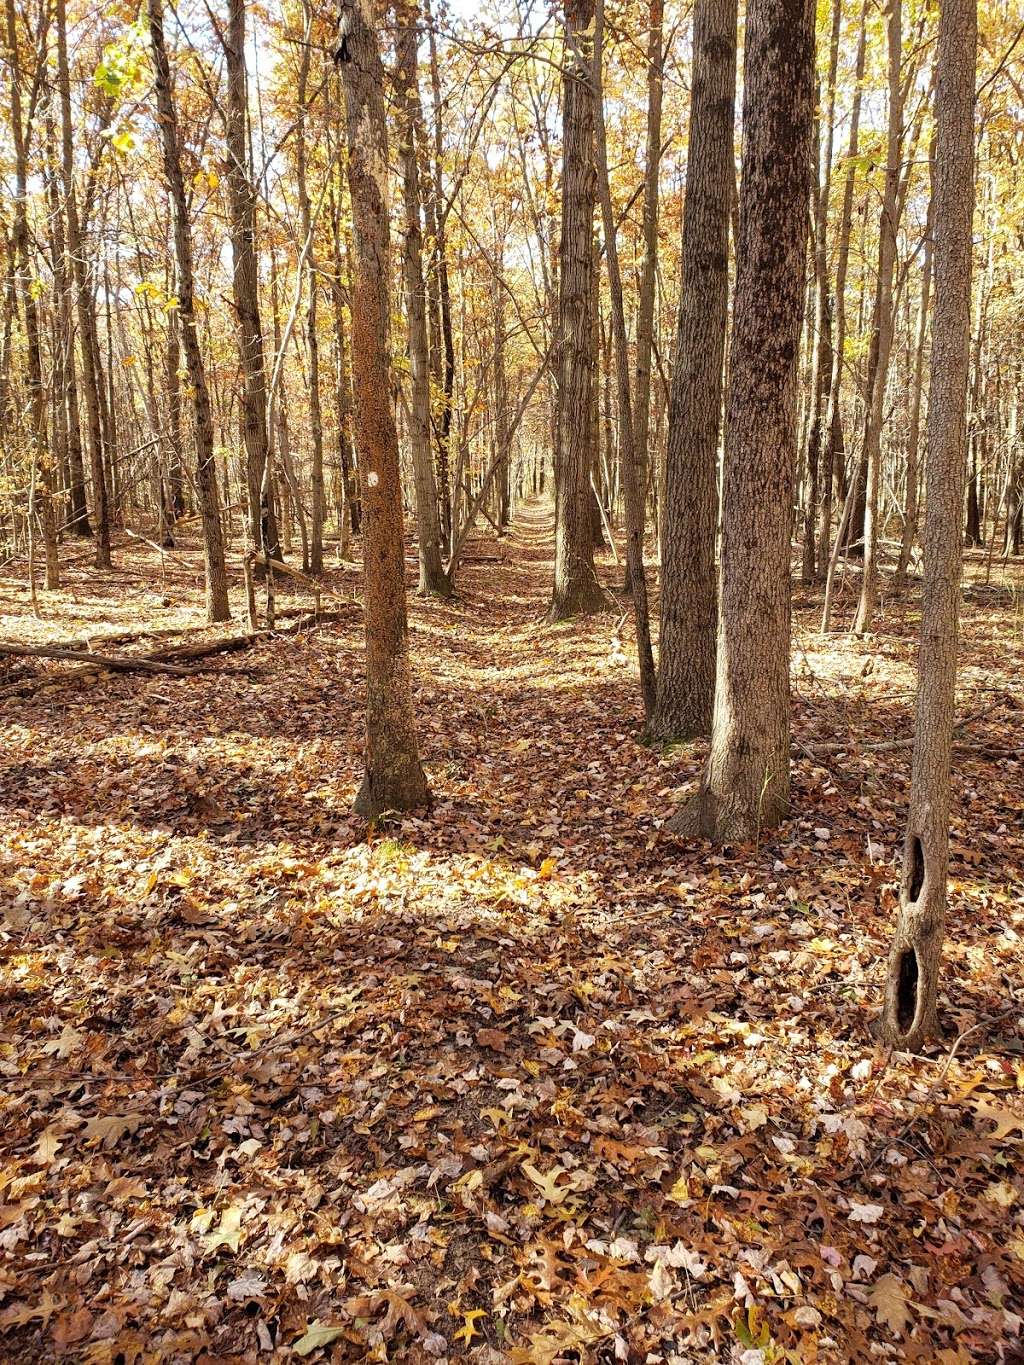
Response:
column 316, row 1334
column 889, row 1300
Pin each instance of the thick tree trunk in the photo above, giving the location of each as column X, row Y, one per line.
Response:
column 576, row 590
column 433, row 578
column 394, row 779
column 745, row 785
column 689, row 589
column 242, row 213
column 910, row 1011
column 217, row 608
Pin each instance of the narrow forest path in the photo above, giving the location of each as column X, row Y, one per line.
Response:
column 575, row 1076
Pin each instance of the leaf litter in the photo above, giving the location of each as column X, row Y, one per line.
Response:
column 520, row 1078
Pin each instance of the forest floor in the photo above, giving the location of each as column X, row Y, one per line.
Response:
column 524, row 1078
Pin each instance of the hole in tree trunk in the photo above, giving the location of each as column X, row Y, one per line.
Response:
column 906, row 992
column 916, row 868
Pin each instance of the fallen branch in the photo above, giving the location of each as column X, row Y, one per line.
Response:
column 156, row 661
column 925, row 1105
column 885, row 746
column 122, row 663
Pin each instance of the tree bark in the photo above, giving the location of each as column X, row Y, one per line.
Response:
column 910, row 1011
column 394, row 779
column 441, row 290
column 87, row 337
column 649, row 273
column 745, row 785
column 242, row 213
column 631, row 472
column 689, row 588
column 433, row 578
column 316, row 427
column 821, row 360
column 576, row 590
column 882, row 327
column 911, row 510
column 42, row 455
column 66, row 417
column 834, row 416
column 217, row 608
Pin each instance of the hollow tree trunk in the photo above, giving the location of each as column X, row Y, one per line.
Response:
column 689, row 588
column 745, row 785
column 910, row 1011
column 394, row 779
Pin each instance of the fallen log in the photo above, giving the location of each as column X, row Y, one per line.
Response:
column 122, row 663
column 156, row 661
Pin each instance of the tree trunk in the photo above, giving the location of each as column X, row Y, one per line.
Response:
column 882, row 328
column 631, row 473
column 910, row 1011
column 86, row 313
column 217, row 608
column 911, row 511
column 576, row 590
column 316, row 546
column 439, row 272
column 433, row 578
column 649, row 273
column 834, row 417
column 42, row 456
column 394, row 779
column 66, row 402
column 745, row 785
column 821, row 360
column 689, row 589
column 172, row 383
column 501, row 429
column 351, row 511
column 242, row 214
